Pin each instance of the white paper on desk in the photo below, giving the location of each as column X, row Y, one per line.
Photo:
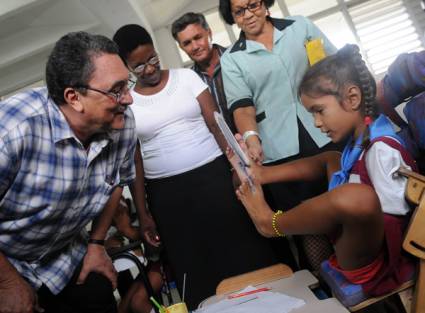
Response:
column 262, row 302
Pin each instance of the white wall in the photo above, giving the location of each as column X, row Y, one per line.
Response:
column 167, row 48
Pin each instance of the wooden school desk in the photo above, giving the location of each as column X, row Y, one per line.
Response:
column 297, row 285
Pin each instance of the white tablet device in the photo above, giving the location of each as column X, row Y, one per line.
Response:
column 231, row 141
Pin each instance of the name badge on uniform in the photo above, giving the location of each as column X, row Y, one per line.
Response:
column 315, row 50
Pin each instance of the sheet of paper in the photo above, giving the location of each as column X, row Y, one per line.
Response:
column 231, row 141
column 242, row 160
column 262, row 302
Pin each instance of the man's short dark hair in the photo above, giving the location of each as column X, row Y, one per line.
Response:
column 71, row 61
column 226, row 10
column 129, row 37
column 187, row 19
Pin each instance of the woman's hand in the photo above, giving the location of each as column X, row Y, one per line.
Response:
column 255, row 149
column 254, row 169
column 149, row 231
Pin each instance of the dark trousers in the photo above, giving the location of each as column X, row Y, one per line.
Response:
column 94, row 296
column 205, row 230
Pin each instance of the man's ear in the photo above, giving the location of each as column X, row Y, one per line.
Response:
column 179, row 42
column 210, row 34
column 353, row 97
column 72, row 98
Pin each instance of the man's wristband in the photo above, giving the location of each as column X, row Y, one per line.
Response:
column 97, row 241
column 250, row 133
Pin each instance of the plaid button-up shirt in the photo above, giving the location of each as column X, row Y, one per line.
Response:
column 51, row 187
column 215, row 84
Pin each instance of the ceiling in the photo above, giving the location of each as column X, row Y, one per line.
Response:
column 29, row 29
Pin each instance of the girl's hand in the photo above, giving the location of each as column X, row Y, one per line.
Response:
column 256, row 206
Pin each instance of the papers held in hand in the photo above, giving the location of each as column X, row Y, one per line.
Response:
column 243, row 161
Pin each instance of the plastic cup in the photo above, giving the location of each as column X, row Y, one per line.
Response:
column 177, row 308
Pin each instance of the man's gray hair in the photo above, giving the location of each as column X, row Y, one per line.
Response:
column 187, row 19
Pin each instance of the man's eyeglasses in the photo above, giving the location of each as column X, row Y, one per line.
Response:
column 251, row 7
column 115, row 95
column 141, row 68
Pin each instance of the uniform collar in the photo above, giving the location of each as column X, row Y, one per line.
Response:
column 279, row 24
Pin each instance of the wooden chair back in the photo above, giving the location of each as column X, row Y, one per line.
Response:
column 414, row 242
column 253, row 278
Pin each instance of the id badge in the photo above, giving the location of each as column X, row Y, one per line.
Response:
column 315, row 50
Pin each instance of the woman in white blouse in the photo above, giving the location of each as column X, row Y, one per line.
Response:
column 205, row 230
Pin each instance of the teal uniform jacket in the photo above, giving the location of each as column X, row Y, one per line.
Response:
column 269, row 80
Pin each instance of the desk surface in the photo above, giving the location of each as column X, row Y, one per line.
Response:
column 297, row 286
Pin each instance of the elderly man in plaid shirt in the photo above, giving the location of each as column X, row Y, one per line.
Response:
column 65, row 153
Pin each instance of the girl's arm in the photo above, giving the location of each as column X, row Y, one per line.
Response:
column 308, row 169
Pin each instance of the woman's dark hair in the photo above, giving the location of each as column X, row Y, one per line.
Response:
column 225, row 9
column 71, row 62
column 332, row 74
column 188, row 19
column 129, row 37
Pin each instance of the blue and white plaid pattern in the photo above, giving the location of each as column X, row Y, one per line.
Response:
column 51, row 187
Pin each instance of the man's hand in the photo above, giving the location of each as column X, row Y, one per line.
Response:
column 17, row 296
column 97, row 260
column 149, row 231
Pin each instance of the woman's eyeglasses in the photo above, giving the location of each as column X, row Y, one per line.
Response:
column 141, row 68
column 251, row 7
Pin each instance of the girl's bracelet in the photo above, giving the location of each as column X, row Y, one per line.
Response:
column 274, row 220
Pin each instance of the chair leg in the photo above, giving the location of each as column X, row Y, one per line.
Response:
column 165, row 284
column 406, row 297
column 418, row 305
column 142, row 272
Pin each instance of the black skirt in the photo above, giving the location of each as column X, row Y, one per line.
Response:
column 205, row 230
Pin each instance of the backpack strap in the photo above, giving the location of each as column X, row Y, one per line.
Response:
column 360, row 166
